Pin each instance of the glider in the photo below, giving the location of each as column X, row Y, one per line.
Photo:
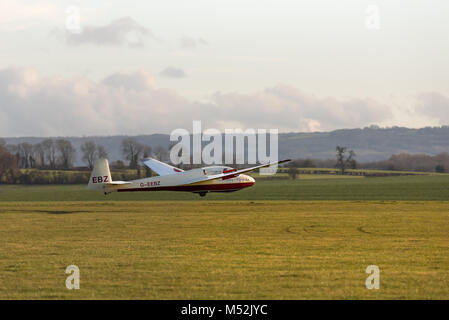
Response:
column 200, row 180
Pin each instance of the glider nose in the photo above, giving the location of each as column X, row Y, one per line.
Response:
column 251, row 180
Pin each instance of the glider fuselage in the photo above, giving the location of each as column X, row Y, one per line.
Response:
column 169, row 178
column 182, row 181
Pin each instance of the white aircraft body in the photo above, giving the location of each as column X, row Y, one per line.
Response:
column 201, row 180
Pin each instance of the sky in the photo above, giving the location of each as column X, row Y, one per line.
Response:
column 80, row 68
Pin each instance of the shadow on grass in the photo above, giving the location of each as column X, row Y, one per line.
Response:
column 46, row 211
column 59, row 211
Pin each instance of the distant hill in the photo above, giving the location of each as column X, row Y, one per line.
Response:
column 369, row 144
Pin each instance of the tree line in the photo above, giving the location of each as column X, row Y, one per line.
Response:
column 50, row 161
column 345, row 159
column 48, row 154
column 54, row 157
column 60, row 154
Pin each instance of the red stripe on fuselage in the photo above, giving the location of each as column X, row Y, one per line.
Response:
column 191, row 188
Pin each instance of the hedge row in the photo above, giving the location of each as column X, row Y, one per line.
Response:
column 12, row 176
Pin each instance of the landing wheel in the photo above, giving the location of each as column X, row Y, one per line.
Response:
column 202, row 194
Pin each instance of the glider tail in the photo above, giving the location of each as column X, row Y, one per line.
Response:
column 100, row 176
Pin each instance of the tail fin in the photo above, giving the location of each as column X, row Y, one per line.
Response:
column 100, row 176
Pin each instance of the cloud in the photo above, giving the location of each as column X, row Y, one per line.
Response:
column 120, row 32
column 31, row 104
column 15, row 15
column 131, row 103
column 433, row 105
column 139, row 81
column 190, row 42
column 172, row 72
column 293, row 110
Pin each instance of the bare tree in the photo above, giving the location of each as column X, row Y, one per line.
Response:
column 39, row 154
column 66, row 153
column 2, row 142
column 89, row 150
column 132, row 150
column 160, row 153
column 344, row 161
column 7, row 160
column 101, row 152
column 50, row 152
column 13, row 149
column 24, row 153
column 147, row 153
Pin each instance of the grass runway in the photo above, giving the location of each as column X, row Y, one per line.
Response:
column 308, row 187
column 214, row 249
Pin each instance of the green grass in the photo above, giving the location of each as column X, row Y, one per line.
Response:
column 311, row 238
column 225, row 249
column 364, row 171
column 343, row 188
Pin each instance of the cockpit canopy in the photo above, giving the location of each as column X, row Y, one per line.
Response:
column 209, row 171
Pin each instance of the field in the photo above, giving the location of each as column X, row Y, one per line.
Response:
column 306, row 239
column 307, row 187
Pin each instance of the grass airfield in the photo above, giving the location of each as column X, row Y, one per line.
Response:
column 277, row 240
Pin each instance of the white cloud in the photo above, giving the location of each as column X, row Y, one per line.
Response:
column 124, row 31
column 433, row 105
column 139, row 80
column 131, row 103
column 190, row 42
column 172, row 72
column 122, row 103
column 293, row 110
column 15, row 15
